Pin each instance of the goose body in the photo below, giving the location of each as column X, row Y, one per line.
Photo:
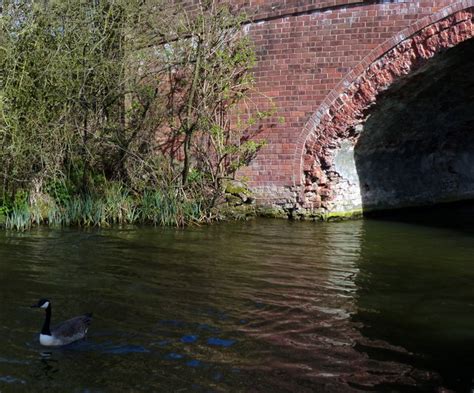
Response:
column 64, row 333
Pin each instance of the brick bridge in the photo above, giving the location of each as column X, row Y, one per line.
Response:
column 377, row 100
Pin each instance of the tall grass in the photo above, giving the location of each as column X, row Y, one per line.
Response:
column 116, row 206
column 19, row 218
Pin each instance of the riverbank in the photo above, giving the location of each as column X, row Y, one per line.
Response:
column 115, row 204
column 96, row 129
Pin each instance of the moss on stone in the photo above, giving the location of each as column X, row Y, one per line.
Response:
column 271, row 212
column 233, row 200
column 340, row 216
column 236, row 188
column 307, row 215
column 240, row 212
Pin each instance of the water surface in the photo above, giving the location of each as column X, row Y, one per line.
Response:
column 260, row 306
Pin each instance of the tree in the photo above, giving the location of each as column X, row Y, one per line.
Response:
column 208, row 61
column 142, row 92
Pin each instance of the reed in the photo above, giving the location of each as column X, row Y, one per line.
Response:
column 19, row 218
column 115, row 206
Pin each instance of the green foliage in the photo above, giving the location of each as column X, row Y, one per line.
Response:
column 19, row 219
column 60, row 190
column 60, row 78
column 86, row 88
column 116, row 206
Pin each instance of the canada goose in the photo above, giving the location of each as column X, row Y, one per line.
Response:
column 66, row 332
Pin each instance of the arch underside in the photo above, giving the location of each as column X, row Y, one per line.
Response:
column 402, row 133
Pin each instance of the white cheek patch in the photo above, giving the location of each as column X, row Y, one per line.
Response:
column 46, row 305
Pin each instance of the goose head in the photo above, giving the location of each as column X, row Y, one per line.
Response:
column 42, row 303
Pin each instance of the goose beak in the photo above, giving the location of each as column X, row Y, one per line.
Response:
column 34, row 306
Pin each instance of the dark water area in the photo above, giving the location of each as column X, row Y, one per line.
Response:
column 384, row 305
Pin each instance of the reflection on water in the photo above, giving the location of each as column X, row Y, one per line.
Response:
column 415, row 288
column 263, row 306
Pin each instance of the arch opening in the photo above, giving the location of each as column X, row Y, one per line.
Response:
column 417, row 144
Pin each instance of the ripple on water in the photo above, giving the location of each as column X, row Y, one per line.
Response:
column 11, row 380
column 288, row 307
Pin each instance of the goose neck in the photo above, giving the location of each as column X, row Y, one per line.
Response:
column 47, row 321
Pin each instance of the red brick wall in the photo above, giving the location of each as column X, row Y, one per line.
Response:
column 310, row 52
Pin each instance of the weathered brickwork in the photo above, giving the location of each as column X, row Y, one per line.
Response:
column 309, row 54
column 345, row 116
column 259, row 10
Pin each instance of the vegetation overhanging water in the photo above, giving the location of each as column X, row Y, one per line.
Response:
column 123, row 111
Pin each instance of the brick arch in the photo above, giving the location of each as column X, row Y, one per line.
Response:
column 344, row 108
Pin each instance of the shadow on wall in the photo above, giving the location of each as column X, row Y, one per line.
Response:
column 417, row 146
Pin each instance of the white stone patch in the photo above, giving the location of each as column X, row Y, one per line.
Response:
column 344, row 162
column 346, row 191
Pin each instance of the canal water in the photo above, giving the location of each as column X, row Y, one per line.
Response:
column 384, row 305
